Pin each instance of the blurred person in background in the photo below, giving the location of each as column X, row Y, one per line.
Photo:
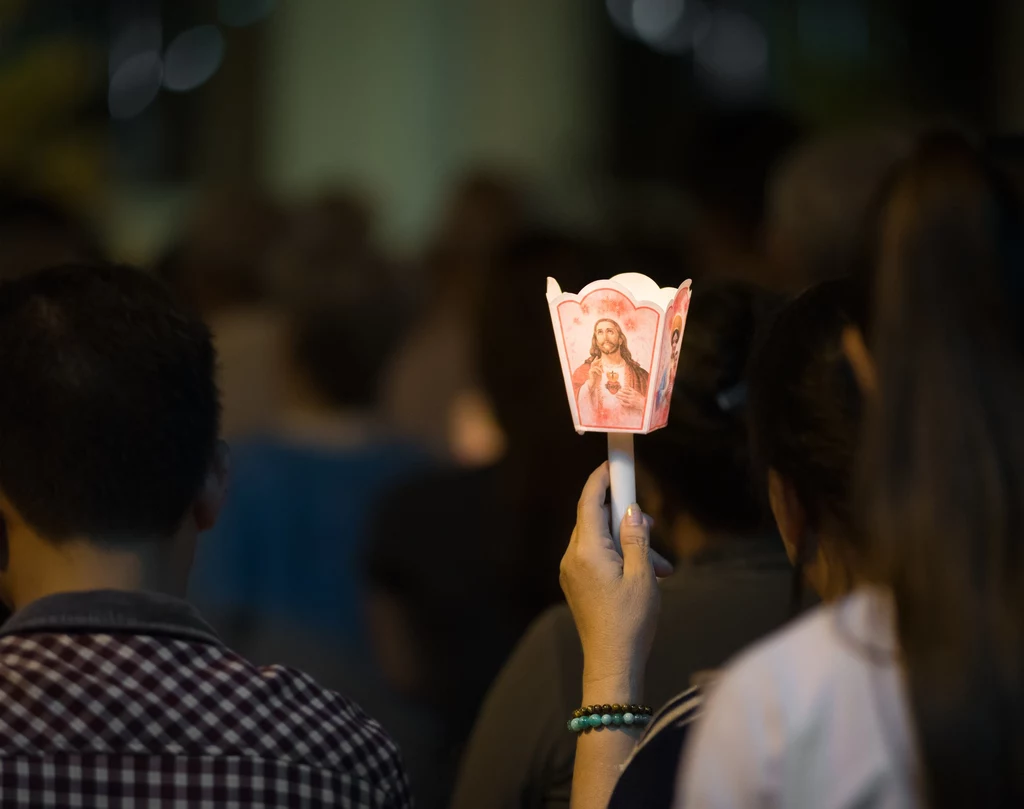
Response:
column 728, row 162
column 522, row 382
column 818, row 197
column 440, row 632
column 433, row 402
column 731, row 586
column 219, row 265
column 286, row 555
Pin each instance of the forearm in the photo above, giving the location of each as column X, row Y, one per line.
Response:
column 600, row 754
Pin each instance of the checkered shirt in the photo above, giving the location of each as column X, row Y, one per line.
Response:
column 175, row 719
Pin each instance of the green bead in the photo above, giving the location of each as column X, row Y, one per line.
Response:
column 627, row 718
column 616, row 718
column 594, row 720
column 606, row 719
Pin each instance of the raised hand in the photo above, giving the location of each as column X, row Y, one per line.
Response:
column 612, row 593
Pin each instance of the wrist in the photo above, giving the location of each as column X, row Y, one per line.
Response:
column 608, row 685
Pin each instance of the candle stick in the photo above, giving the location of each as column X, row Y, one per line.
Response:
column 618, row 344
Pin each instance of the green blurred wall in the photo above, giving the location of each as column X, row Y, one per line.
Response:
column 398, row 95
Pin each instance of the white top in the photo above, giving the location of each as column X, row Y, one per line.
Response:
column 814, row 716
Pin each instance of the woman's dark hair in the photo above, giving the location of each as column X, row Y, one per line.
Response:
column 943, row 467
column 805, row 409
column 702, row 455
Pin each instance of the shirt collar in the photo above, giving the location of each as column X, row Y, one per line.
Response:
column 111, row 611
column 867, row 618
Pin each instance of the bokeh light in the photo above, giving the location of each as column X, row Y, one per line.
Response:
column 621, row 13
column 655, row 20
column 134, row 84
column 666, row 26
column 193, row 57
column 732, row 54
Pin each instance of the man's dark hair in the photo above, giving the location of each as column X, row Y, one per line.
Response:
column 109, row 414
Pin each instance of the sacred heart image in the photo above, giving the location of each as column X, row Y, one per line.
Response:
column 618, row 345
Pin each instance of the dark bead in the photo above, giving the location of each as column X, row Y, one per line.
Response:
column 577, row 713
column 616, row 708
column 606, row 709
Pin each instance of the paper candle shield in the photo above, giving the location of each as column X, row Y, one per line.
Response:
column 618, row 343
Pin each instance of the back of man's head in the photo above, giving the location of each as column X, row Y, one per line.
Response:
column 109, row 413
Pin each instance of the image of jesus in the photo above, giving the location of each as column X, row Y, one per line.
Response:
column 610, row 386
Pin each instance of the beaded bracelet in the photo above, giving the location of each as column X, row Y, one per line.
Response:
column 592, row 717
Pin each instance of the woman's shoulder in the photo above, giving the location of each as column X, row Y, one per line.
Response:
column 849, row 638
column 825, row 692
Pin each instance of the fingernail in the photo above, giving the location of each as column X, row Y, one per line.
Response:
column 634, row 516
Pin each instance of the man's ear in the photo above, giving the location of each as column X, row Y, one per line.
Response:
column 860, row 360
column 789, row 515
column 215, row 488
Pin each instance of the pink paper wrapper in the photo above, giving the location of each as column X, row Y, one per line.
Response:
column 618, row 343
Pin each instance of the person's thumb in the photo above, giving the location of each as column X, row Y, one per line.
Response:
column 635, row 539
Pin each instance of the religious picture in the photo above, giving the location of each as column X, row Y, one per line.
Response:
column 609, row 345
column 675, row 323
column 615, row 351
column 610, row 386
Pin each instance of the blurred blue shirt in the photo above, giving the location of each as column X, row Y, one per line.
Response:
column 287, row 545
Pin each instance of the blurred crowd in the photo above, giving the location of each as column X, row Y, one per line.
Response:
column 404, row 472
